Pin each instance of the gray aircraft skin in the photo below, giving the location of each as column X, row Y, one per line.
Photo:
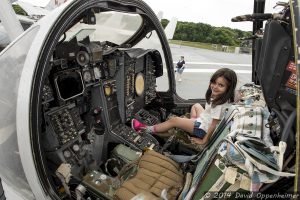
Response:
column 71, row 83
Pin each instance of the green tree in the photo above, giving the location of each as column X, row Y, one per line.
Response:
column 164, row 22
column 200, row 32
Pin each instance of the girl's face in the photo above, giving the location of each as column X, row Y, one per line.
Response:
column 218, row 87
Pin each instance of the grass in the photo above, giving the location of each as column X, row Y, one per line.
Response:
column 216, row 47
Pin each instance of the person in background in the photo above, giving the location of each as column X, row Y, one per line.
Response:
column 203, row 121
column 180, row 68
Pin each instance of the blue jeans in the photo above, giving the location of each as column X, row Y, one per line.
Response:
column 180, row 70
column 198, row 132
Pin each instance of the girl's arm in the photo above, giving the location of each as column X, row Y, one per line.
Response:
column 210, row 131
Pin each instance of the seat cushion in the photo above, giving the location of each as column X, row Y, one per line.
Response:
column 156, row 172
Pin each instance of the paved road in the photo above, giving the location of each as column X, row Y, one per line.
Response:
column 201, row 63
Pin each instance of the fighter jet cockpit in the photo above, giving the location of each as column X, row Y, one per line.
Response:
column 92, row 83
column 75, row 80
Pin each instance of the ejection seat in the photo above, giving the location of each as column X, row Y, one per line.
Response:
column 277, row 76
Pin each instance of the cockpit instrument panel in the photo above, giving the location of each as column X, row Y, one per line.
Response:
column 85, row 75
column 90, row 94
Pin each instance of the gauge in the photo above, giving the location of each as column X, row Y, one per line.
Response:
column 76, row 147
column 107, row 89
column 139, row 84
column 82, row 58
column 87, row 76
column 67, row 154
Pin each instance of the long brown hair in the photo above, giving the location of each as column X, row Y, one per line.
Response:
column 228, row 96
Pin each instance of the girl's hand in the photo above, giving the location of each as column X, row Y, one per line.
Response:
column 196, row 140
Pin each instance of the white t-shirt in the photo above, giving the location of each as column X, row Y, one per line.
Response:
column 210, row 113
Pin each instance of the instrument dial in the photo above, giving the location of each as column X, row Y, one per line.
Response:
column 82, row 58
column 67, row 154
column 108, row 89
column 139, row 84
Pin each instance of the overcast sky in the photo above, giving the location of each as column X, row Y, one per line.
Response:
column 213, row 12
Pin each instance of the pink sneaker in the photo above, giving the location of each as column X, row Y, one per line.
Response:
column 137, row 126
